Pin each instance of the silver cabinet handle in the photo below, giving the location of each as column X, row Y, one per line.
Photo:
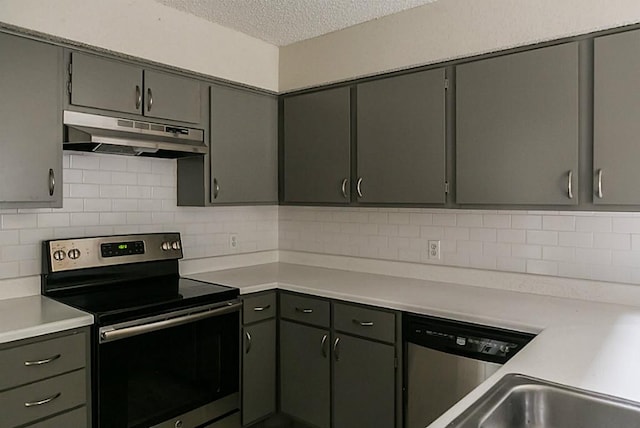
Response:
column 323, row 345
column 52, row 181
column 304, row 311
column 42, row 362
column 149, row 99
column 359, row 187
column 138, row 97
column 248, row 346
column 600, row 183
column 261, row 308
column 570, row 185
column 336, row 349
column 43, row 401
column 216, row 188
column 344, row 188
column 363, row 323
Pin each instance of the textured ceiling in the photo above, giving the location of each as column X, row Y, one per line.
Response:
column 282, row 22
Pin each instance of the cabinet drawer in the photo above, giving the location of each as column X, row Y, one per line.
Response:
column 305, row 309
column 41, row 399
column 74, row 418
column 258, row 308
column 29, row 363
column 366, row 322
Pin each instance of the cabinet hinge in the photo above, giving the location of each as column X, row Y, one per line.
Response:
column 446, row 187
column 70, row 69
column 69, row 87
column 446, row 83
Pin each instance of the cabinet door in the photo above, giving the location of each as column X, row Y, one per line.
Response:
column 168, row 96
column 517, row 128
column 259, row 371
column 305, row 374
column 401, row 139
column 105, row 84
column 31, row 122
column 244, row 146
column 364, row 383
column 317, row 136
column 616, row 119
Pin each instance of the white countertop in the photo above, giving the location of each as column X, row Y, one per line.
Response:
column 31, row 316
column 589, row 345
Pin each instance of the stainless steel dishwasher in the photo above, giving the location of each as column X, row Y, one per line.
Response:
column 446, row 359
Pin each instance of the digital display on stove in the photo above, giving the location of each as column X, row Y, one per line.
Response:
column 117, row 249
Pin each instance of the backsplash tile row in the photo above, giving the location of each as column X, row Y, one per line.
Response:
column 584, row 245
column 106, row 194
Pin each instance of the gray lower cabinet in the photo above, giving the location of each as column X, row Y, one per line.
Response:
column 616, row 126
column 401, row 139
column 31, row 123
column 109, row 84
column 305, row 373
column 259, row 357
column 244, row 146
column 517, row 128
column 341, row 374
column 364, row 385
column 317, row 141
column 47, row 381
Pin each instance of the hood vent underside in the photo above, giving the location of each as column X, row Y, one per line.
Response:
column 102, row 134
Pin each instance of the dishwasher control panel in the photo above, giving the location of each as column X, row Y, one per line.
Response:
column 470, row 340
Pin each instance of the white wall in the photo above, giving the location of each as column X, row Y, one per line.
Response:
column 444, row 30
column 107, row 194
column 149, row 30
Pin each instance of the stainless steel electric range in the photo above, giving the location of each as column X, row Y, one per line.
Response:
column 165, row 349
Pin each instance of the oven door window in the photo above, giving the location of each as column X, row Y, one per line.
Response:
column 152, row 377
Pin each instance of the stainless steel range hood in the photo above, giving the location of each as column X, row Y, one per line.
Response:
column 102, row 134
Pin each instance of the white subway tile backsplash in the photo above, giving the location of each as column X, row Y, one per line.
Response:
column 19, row 221
column 593, row 224
column 542, row 237
column 515, row 236
column 542, row 267
column 615, row 241
column 575, row 239
column 559, row 222
column 53, row 220
column 500, row 221
column 79, row 190
column 533, row 222
column 625, row 224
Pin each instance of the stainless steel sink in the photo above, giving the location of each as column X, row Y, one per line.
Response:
column 520, row 401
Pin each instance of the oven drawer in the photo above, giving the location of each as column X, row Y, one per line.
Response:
column 305, row 309
column 74, row 418
column 40, row 360
column 41, row 399
column 366, row 322
column 260, row 307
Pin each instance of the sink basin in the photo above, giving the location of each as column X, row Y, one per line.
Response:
column 520, row 401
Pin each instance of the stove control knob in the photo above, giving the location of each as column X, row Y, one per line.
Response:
column 175, row 245
column 166, row 246
column 59, row 255
column 74, row 253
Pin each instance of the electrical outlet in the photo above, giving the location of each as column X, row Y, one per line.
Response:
column 233, row 241
column 434, row 250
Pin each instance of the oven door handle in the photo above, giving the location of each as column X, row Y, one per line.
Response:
column 109, row 335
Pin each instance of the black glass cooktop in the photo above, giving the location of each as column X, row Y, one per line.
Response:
column 144, row 297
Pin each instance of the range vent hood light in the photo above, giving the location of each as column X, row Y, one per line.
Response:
column 102, row 134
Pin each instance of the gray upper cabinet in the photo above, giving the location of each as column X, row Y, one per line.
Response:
column 105, row 84
column 401, row 139
column 168, row 96
column 244, row 146
column 616, row 122
column 108, row 84
column 364, row 389
column 31, row 123
column 517, row 128
column 317, row 135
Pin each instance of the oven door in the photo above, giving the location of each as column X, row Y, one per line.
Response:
column 158, row 368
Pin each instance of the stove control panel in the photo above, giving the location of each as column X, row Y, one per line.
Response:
column 82, row 253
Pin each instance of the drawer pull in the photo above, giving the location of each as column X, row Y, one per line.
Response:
column 41, row 362
column 261, row 308
column 304, row 311
column 363, row 323
column 41, row 402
